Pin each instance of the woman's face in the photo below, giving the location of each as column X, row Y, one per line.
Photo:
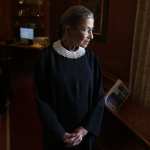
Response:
column 82, row 34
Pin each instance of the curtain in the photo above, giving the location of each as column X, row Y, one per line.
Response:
column 140, row 63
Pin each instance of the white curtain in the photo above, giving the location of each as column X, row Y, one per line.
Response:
column 140, row 64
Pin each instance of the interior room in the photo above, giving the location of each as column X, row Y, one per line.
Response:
column 122, row 43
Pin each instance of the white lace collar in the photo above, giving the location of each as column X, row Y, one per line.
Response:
column 66, row 53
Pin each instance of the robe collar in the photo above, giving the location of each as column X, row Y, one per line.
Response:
column 67, row 53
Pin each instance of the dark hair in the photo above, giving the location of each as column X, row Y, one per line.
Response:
column 73, row 15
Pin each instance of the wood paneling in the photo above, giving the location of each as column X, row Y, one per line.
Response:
column 116, row 51
column 5, row 20
column 25, row 130
column 3, row 132
column 56, row 9
column 25, row 126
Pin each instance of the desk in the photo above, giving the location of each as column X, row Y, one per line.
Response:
column 136, row 118
column 20, row 56
column 27, row 46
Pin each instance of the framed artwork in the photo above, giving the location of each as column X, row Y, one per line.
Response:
column 100, row 10
column 117, row 95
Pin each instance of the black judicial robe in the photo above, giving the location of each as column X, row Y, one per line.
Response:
column 70, row 95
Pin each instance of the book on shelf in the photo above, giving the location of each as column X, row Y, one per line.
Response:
column 117, row 95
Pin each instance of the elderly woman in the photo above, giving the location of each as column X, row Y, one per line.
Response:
column 69, row 88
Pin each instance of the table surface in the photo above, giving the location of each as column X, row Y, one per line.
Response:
column 136, row 117
column 20, row 45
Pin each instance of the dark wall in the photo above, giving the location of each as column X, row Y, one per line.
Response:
column 5, row 20
column 116, row 51
column 56, row 9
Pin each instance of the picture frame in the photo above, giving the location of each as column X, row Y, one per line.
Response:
column 100, row 9
column 117, row 95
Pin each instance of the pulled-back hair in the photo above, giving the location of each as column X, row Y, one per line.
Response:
column 73, row 15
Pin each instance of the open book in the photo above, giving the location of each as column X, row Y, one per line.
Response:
column 117, row 95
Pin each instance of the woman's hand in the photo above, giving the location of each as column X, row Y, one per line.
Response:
column 69, row 139
column 79, row 135
column 81, row 131
column 75, row 138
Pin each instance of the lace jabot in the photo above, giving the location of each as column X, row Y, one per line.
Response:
column 67, row 53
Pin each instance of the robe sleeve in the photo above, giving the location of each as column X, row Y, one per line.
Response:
column 47, row 114
column 94, row 118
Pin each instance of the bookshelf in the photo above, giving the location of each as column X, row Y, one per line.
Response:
column 30, row 14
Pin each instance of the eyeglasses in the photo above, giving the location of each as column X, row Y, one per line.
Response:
column 86, row 30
